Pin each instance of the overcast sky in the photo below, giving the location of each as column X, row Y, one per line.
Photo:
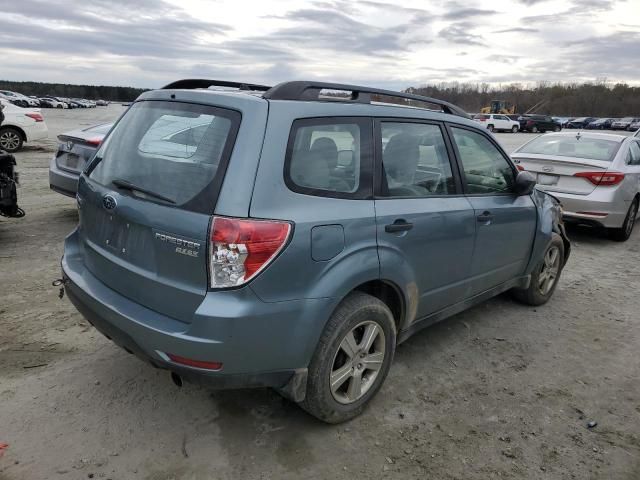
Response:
column 393, row 43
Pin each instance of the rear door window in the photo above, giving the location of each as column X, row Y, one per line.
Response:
column 173, row 153
column 415, row 161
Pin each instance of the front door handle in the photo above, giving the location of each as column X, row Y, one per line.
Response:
column 485, row 217
column 400, row 225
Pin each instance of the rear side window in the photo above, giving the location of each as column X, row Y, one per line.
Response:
column 176, row 152
column 330, row 157
column 572, row 146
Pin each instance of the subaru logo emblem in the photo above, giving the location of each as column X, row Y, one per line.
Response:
column 69, row 145
column 547, row 169
column 109, row 202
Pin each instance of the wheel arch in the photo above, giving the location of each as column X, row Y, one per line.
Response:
column 390, row 294
column 15, row 127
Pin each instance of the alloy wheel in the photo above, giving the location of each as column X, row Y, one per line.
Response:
column 633, row 212
column 9, row 140
column 357, row 362
column 549, row 271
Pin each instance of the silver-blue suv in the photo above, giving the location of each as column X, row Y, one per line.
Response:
column 293, row 236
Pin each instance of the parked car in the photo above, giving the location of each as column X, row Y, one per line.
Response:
column 596, row 176
column 20, row 125
column 19, row 99
column 634, row 125
column 102, row 103
column 52, row 102
column 308, row 277
column 562, row 121
column 495, row 122
column 75, row 149
column 600, row 124
column 538, row 124
column 580, row 122
column 74, row 103
column 623, row 123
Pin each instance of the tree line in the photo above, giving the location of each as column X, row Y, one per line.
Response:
column 598, row 99
column 66, row 90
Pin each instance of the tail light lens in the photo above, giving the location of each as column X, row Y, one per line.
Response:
column 239, row 249
column 94, row 142
column 520, row 167
column 36, row 116
column 603, row 179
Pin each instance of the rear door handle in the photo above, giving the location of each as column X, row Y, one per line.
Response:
column 400, row 225
column 485, row 217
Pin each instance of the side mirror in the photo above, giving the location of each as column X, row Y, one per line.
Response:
column 525, row 182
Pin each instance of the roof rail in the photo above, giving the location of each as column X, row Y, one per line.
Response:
column 310, row 91
column 191, row 83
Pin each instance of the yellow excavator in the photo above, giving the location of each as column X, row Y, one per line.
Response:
column 499, row 106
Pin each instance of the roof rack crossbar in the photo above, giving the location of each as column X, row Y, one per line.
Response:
column 192, row 83
column 309, row 90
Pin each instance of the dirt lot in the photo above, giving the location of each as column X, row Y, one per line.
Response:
column 500, row 391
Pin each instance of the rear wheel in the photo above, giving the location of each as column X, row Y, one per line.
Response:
column 352, row 359
column 623, row 233
column 534, row 129
column 545, row 275
column 556, row 128
column 515, row 129
column 10, row 139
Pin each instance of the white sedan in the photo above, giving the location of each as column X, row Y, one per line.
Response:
column 596, row 176
column 495, row 122
column 20, row 125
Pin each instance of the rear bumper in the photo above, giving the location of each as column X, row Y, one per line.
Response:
column 259, row 343
column 62, row 181
column 37, row 131
column 611, row 209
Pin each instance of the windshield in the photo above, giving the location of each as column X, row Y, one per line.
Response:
column 573, row 146
column 169, row 149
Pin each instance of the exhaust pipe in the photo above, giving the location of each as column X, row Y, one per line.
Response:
column 177, row 379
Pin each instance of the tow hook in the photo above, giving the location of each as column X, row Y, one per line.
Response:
column 60, row 282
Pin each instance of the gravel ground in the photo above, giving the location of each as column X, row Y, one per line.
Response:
column 499, row 391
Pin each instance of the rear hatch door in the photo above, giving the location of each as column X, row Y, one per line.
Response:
column 146, row 202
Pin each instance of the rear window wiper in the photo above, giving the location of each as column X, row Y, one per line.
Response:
column 125, row 185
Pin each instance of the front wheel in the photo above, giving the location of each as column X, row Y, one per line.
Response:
column 623, row 233
column 545, row 275
column 490, row 128
column 352, row 359
column 515, row 129
column 10, row 139
column 534, row 129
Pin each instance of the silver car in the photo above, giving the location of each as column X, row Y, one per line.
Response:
column 596, row 176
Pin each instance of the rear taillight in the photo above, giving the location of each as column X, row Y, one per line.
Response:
column 520, row 167
column 239, row 249
column 36, row 116
column 94, row 142
column 602, row 179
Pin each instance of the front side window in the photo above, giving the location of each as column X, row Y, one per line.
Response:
column 486, row 170
column 415, row 161
column 330, row 157
column 171, row 149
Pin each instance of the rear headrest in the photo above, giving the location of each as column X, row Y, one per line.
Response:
column 327, row 148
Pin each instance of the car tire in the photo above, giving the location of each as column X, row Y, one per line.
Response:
column 534, row 129
column 357, row 316
column 10, row 139
column 515, row 129
column 490, row 128
column 623, row 233
column 545, row 275
column 556, row 128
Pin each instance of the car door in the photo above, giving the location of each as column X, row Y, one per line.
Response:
column 505, row 222
column 502, row 122
column 425, row 225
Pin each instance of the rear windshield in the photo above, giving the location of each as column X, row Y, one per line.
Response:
column 573, row 146
column 177, row 152
column 481, row 117
column 104, row 129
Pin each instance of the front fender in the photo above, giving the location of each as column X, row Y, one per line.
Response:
column 549, row 212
